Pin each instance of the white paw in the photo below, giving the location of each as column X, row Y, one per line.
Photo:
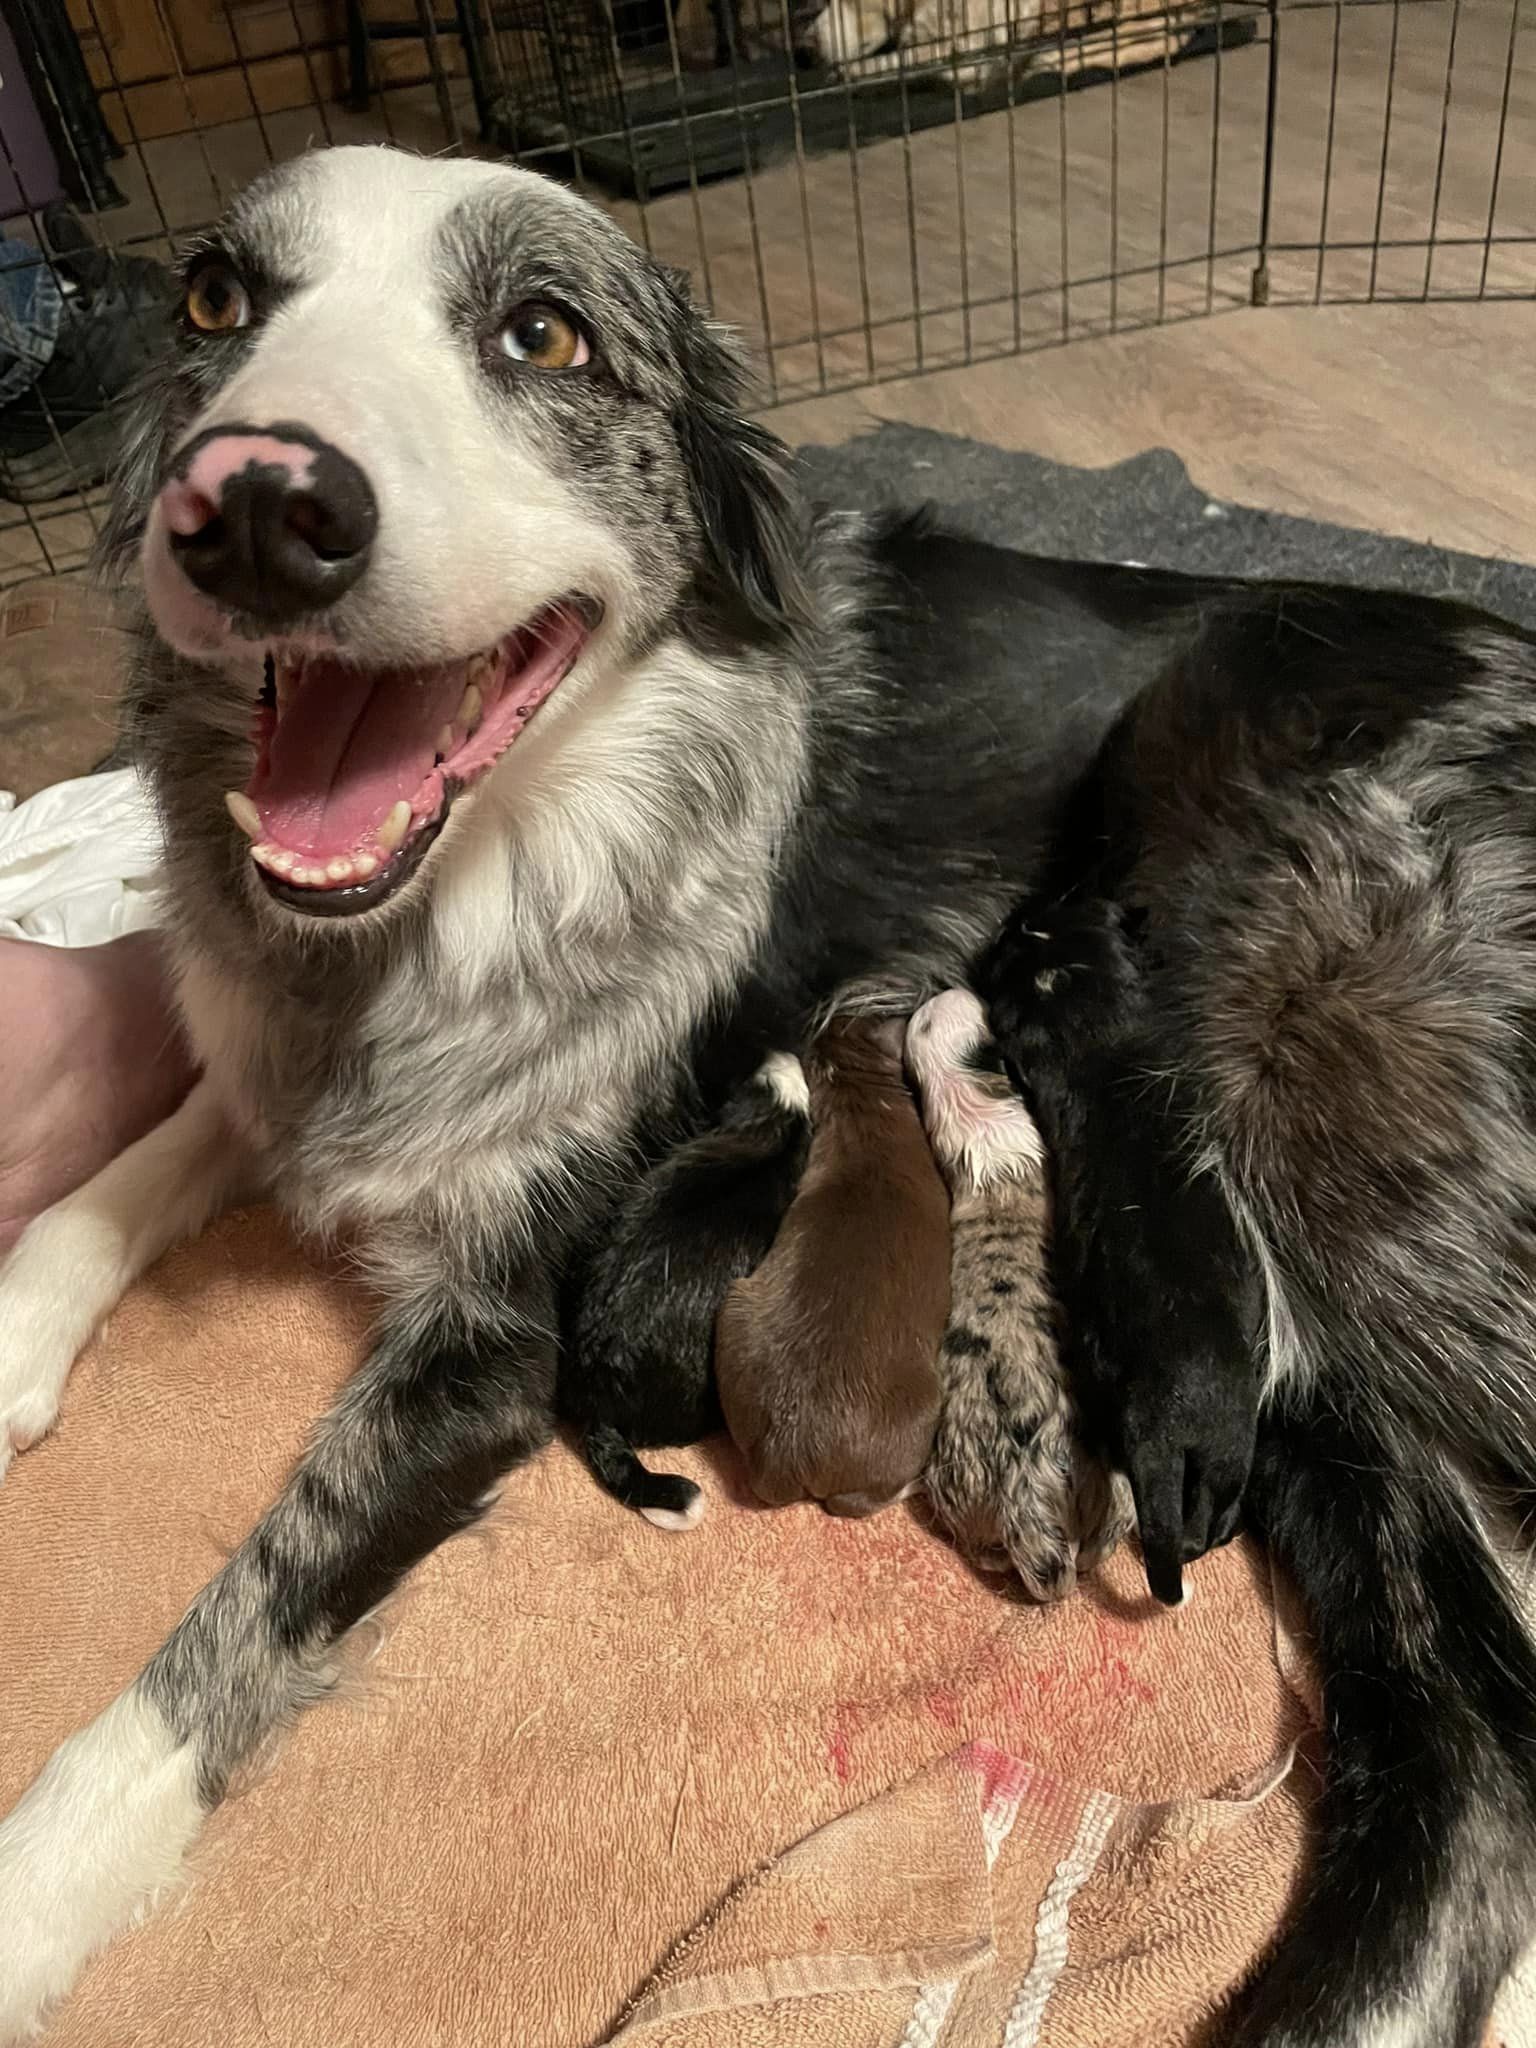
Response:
column 36, row 1968
column 100, row 1833
column 44, row 1320
column 26, row 1414
column 32, row 1376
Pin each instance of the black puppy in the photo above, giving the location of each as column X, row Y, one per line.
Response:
column 636, row 1365
column 1161, row 1297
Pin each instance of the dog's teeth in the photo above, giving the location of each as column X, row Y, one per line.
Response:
column 391, row 834
column 273, row 857
column 338, row 871
column 309, row 878
column 284, row 683
column 244, row 813
column 478, row 667
column 445, row 742
column 364, row 865
column 471, row 704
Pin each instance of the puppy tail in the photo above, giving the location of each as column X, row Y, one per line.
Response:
column 1423, row 1889
column 665, row 1498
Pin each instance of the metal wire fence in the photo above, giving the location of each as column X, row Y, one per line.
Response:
column 869, row 189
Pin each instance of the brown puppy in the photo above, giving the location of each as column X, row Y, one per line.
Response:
column 827, row 1355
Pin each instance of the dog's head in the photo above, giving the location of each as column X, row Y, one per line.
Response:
column 437, row 446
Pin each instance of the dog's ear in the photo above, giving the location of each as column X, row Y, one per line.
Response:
column 750, row 510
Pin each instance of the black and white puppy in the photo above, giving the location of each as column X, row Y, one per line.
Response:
column 636, row 1368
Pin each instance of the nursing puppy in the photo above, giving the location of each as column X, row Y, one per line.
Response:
column 826, row 1355
column 636, row 1367
column 1007, row 1476
column 1148, row 1259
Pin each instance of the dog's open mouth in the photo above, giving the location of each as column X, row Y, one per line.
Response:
column 356, row 770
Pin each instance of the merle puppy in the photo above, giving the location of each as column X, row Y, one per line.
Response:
column 1008, row 1476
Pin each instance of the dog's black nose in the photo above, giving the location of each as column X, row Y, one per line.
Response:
column 270, row 522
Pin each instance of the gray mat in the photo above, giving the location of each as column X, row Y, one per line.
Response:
column 1145, row 510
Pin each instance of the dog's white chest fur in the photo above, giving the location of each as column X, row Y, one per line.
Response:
column 573, row 941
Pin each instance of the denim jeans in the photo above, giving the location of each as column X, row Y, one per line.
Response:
column 30, row 308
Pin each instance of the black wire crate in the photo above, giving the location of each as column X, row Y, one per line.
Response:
column 642, row 106
column 865, row 189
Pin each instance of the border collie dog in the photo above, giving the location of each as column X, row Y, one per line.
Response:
column 533, row 761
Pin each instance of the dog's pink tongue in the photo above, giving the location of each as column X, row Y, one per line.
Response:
column 348, row 747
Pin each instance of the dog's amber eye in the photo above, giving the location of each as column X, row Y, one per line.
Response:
column 542, row 335
column 217, row 302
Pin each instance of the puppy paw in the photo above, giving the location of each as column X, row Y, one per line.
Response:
column 1000, row 1483
column 1039, row 1527
column 1043, row 1556
column 672, row 1502
column 1187, row 1454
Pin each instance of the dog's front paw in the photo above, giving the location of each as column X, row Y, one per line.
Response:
column 98, row 1836
column 40, row 1334
column 32, row 1376
column 29, row 1407
column 38, row 1966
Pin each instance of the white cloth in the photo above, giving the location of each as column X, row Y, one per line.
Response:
column 78, row 861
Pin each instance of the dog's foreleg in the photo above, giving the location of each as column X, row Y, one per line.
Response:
column 440, row 1411
column 71, row 1265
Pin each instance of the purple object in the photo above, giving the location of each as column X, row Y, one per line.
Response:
column 29, row 171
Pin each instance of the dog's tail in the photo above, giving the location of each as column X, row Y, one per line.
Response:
column 1424, row 1885
column 665, row 1498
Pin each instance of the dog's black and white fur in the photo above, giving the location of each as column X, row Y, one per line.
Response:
column 794, row 753
column 1297, row 938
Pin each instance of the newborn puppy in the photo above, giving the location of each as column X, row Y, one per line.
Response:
column 1162, row 1297
column 827, row 1355
column 635, row 1367
column 1006, row 1476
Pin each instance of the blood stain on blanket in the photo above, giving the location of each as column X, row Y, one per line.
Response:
column 1001, row 1779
